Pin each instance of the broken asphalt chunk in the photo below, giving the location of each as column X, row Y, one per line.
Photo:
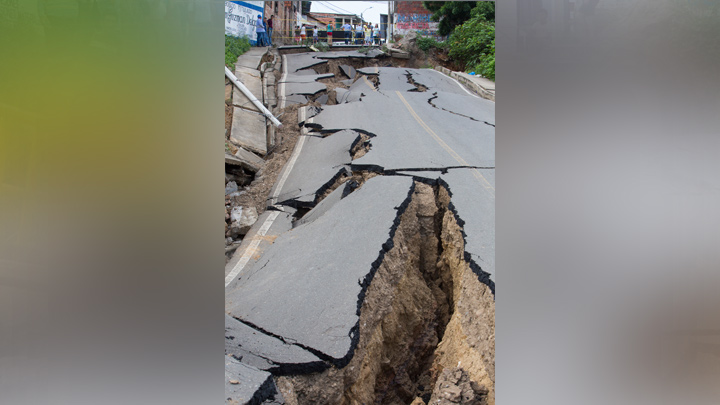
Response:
column 309, row 287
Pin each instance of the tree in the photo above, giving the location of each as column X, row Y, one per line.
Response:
column 454, row 13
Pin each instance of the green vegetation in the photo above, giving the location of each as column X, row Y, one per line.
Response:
column 452, row 14
column 472, row 44
column 427, row 43
column 470, row 27
column 234, row 47
column 322, row 46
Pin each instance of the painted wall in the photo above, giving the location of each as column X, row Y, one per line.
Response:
column 240, row 18
column 412, row 16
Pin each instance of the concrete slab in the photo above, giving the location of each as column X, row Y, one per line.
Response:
column 487, row 84
column 265, row 352
column 349, row 71
column 245, row 159
column 269, row 226
column 251, row 59
column 465, row 106
column 304, row 84
column 428, row 137
column 373, row 53
column 247, row 385
column 322, row 99
column 321, row 162
column 391, row 79
column 302, row 61
column 306, row 286
column 323, row 206
column 253, row 81
column 303, row 88
column 295, row 99
column 345, row 96
column 473, row 200
column 248, row 130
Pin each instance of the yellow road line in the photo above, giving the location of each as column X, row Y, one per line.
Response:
column 447, row 148
column 369, row 83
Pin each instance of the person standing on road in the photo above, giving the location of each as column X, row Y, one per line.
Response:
column 346, row 29
column 358, row 34
column 260, row 31
column 329, row 34
column 376, row 35
column 315, row 34
column 303, row 34
column 269, row 25
column 368, row 34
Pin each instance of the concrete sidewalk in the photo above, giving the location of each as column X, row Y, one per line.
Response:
column 250, row 128
column 481, row 86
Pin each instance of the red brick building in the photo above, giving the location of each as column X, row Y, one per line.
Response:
column 285, row 19
column 406, row 16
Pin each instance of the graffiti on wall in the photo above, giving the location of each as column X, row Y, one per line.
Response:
column 240, row 17
column 416, row 22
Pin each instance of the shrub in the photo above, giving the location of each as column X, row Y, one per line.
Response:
column 234, row 47
column 427, row 43
column 322, row 46
column 472, row 44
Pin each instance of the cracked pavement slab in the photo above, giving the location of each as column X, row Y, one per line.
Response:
column 305, row 84
column 245, row 384
column 428, row 137
column 296, row 306
column 373, row 53
column 475, row 207
column 465, row 106
column 322, row 161
column 396, row 79
column 306, row 286
column 265, row 352
column 349, row 71
column 302, row 61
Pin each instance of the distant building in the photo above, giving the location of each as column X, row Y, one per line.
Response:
column 406, row 16
column 338, row 20
column 286, row 17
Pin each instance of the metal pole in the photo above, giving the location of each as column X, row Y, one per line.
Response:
column 252, row 98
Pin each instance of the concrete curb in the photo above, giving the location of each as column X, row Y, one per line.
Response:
column 467, row 81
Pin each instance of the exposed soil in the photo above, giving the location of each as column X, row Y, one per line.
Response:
column 412, row 325
column 422, row 59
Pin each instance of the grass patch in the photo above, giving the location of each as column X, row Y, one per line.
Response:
column 234, row 47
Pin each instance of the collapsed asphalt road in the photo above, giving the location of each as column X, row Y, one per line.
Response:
column 382, row 274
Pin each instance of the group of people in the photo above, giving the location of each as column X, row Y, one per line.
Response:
column 363, row 34
column 264, row 30
column 359, row 34
column 303, row 33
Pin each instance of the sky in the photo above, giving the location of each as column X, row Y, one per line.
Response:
column 352, row 7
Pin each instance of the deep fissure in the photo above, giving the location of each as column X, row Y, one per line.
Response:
column 405, row 306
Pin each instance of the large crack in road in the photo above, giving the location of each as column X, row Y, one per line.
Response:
column 335, row 323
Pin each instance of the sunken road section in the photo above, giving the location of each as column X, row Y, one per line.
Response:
column 382, row 288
